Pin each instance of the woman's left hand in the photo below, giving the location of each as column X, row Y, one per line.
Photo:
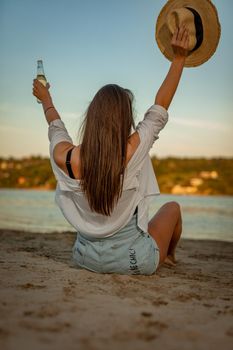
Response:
column 40, row 91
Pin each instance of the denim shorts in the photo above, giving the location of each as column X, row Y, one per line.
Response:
column 130, row 251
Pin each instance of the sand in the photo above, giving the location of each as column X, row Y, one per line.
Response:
column 47, row 303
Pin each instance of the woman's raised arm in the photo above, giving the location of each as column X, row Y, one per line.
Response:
column 180, row 41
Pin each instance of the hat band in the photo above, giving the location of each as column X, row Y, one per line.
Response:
column 199, row 28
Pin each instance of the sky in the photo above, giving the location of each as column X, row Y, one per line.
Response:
column 87, row 44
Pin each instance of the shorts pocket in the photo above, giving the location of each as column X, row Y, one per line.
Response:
column 145, row 253
column 130, row 256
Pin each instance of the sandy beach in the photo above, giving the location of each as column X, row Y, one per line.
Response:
column 47, row 303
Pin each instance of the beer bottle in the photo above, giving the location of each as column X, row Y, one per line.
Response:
column 40, row 74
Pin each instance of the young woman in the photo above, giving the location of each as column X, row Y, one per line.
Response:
column 104, row 183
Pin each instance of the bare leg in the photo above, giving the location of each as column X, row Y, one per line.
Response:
column 175, row 238
column 166, row 227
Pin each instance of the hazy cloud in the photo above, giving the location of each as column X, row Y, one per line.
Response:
column 203, row 124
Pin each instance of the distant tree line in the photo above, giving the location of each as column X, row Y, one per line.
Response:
column 174, row 175
column 213, row 176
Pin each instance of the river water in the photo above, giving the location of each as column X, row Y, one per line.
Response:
column 204, row 217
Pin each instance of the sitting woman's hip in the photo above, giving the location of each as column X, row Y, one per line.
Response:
column 130, row 251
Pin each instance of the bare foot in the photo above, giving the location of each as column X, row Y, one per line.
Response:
column 171, row 256
column 170, row 260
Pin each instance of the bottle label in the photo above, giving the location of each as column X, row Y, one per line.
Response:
column 42, row 79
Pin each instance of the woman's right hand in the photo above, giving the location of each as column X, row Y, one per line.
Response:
column 180, row 42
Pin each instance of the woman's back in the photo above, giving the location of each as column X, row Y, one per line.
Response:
column 139, row 182
column 61, row 150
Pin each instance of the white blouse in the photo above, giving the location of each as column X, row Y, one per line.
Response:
column 139, row 183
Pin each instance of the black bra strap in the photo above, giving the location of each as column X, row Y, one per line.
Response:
column 68, row 165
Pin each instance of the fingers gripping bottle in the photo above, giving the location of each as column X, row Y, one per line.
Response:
column 40, row 74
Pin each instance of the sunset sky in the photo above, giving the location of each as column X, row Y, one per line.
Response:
column 87, row 44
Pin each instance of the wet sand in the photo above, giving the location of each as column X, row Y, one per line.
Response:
column 47, row 303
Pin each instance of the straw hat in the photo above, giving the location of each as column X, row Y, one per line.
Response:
column 200, row 17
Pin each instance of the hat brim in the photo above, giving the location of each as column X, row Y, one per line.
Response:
column 211, row 30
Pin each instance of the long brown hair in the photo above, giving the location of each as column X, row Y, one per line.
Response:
column 105, row 130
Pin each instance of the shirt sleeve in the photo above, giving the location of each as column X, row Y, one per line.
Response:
column 57, row 133
column 148, row 129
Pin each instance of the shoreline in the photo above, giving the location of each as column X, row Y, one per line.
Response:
column 44, row 189
column 74, row 233
column 48, row 303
